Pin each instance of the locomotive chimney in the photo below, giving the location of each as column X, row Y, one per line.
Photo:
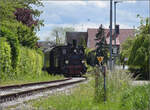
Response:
column 74, row 43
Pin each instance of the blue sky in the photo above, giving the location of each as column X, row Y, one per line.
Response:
column 88, row 14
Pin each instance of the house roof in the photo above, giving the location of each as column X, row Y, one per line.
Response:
column 124, row 33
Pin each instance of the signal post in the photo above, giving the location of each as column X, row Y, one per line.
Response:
column 103, row 70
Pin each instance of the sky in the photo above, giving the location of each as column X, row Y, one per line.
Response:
column 85, row 14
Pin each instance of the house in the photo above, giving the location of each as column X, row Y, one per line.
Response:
column 89, row 36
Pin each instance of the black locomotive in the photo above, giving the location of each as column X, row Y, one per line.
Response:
column 68, row 60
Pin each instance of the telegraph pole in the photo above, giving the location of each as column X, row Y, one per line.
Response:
column 110, row 35
column 115, row 3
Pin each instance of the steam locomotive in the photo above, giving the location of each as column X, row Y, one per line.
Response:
column 68, row 60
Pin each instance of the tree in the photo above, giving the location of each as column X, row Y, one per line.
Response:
column 140, row 52
column 101, row 45
column 17, row 16
column 26, row 36
column 59, row 33
column 125, row 49
column 82, row 42
column 25, row 16
column 25, row 12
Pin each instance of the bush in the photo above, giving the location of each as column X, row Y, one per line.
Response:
column 139, row 55
column 5, row 58
column 137, row 98
column 14, row 44
column 30, row 62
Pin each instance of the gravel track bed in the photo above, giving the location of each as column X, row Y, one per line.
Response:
column 20, row 100
column 16, row 90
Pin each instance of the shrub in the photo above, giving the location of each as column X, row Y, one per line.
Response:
column 5, row 58
column 14, row 44
column 30, row 62
column 137, row 98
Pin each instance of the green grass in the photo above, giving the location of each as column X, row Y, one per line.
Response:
column 29, row 78
column 120, row 95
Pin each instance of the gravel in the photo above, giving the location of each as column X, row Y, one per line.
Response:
column 20, row 101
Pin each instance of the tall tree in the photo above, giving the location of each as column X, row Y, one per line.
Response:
column 140, row 53
column 101, row 45
column 125, row 49
column 25, row 16
column 21, row 19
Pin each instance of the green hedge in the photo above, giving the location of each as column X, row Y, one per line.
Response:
column 5, row 57
column 14, row 44
column 30, row 62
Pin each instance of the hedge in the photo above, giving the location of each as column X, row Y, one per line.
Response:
column 14, row 44
column 5, row 57
column 30, row 62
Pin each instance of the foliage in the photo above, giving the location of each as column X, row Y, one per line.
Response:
column 139, row 56
column 13, row 41
column 7, row 8
column 30, row 62
column 137, row 98
column 5, row 58
column 18, row 7
column 90, row 55
column 126, row 49
column 26, row 35
column 101, row 46
column 59, row 33
column 25, row 16
column 82, row 42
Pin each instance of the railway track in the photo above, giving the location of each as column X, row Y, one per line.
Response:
column 13, row 92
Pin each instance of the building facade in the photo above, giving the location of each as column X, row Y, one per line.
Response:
column 90, row 36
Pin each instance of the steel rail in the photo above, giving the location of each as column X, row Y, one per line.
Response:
column 13, row 96
column 31, row 84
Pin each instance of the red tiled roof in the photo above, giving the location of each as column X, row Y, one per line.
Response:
column 124, row 33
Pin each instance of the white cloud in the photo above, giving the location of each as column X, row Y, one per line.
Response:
column 65, row 2
column 101, row 4
column 131, row 1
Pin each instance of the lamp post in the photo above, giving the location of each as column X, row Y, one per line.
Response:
column 115, row 4
column 110, row 35
column 115, row 35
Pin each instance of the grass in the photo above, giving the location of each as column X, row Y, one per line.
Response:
column 30, row 78
column 120, row 95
